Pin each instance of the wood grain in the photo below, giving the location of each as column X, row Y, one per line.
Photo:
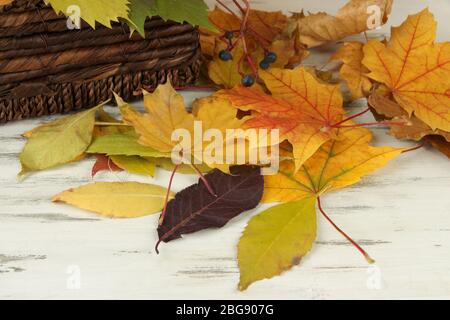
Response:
column 400, row 214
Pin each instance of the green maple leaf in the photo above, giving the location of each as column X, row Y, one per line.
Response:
column 91, row 11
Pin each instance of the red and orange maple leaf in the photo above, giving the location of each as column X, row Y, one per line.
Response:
column 303, row 108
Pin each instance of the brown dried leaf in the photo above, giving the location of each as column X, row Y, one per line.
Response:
column 353, row 18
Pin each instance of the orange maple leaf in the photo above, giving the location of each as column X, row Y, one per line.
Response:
column 415, row 69
column 303, row 108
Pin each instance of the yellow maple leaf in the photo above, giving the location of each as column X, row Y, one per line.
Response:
column 415, row 69
column 165, row 113
column 338, row 164
column 217, row 116
column 352, row 70
column 355, row 17
column 211, row 118
column 301, row 107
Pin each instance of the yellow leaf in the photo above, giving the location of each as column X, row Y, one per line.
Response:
column 58, row 142
column 116, row 199
column 414, row 69
column 216, row 113
column 355, row 17
column 122, row 144
column 102, row 130
column 276, row 240
column 219, row 115
column 338, row 164
column 353, row 71
column 135, row 164
column 165, row 113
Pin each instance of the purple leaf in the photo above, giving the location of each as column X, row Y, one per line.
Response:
column 195, row 208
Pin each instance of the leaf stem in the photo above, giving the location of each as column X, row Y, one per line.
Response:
column 353, row 242
column 371, row 124
column 245, row 28
column 239, row 6
column 121, row 124
column 196, row 88
column 205, row 181
column 352, row 117
column 226, row 8
column 166, row 201
column 414, row 148
column 244, row 41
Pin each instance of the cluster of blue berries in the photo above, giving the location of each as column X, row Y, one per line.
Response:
column 248, row 80
column 271, row 57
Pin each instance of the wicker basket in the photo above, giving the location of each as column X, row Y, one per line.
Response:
column 46, row 68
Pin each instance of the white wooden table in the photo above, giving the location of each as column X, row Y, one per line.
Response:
column 401, row 215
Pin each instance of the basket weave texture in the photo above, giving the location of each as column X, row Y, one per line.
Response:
column 45, row 68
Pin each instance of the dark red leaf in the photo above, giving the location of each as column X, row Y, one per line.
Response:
column 195, row 208
column 104, row 163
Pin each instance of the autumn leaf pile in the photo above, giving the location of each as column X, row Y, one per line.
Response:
column 406, row 80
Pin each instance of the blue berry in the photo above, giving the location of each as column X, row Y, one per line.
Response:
column 225, row 55
column 264, row 64
column 271, row 57
column 248, row 80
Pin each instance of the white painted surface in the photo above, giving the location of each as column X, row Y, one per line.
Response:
column 400, row 214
